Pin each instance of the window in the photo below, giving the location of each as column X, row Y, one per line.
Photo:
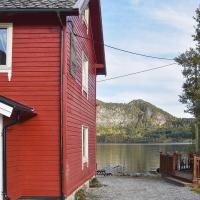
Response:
column 73, row 56
column 84, row 145
column 86, row 16
column 6, row 31
column 85, row 68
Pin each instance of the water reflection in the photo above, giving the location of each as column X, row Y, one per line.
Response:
column 135, row 157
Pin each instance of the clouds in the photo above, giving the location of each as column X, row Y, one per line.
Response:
column 158, row 28
column 175, row 18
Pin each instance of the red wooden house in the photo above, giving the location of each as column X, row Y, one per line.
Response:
column 50, row 54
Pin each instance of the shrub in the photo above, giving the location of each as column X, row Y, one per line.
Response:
column 80, row 195
column 95, row 183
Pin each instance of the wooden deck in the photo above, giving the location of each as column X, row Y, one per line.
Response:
column 185, row 175
column 185, row 167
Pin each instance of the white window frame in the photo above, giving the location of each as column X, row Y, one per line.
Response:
column 85, row 146
column 8, row 67
column 85, row 74
column 86, row 17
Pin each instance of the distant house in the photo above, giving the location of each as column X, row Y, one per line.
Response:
column 51, row 52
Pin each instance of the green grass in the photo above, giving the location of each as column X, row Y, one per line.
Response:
column 196, row 189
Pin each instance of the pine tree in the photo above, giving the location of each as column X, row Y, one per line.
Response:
column 190, row 61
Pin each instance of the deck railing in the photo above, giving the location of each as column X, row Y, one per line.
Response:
column 170, row 164
column 183, row 161
column 196, row 171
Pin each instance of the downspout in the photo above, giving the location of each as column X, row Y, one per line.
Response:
column 61, row 107
column 4, row 142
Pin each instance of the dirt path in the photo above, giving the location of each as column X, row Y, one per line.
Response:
column 122, row 188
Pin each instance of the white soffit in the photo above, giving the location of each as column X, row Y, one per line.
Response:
column 81, row 5
column 5, row 110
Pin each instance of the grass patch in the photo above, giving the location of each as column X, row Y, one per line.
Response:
column 80, row 195
column 95, row 183
column 196, row 189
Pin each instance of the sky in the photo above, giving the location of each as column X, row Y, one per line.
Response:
column 153, row 27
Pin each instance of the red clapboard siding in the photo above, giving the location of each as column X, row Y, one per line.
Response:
column 33, row 146
column 80, row 111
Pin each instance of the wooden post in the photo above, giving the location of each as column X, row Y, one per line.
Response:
column 174, row 163
column 161, row 163
column 197, row 138
column 194, row 178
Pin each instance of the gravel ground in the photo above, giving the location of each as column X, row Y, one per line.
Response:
column 125, row 188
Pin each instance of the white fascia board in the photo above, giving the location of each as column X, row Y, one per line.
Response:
column 81, row 5
column 5, row 110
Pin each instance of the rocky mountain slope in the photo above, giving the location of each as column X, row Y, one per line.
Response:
column 138, row 121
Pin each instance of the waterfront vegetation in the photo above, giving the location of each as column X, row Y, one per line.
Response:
column 120, row 134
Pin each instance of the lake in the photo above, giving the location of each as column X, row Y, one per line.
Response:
column 135, row 157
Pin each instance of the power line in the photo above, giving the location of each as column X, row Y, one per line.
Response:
column 123, row 50
column 139, row 72
column 137, row 54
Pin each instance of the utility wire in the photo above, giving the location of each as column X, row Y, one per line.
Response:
column 138, row 72
column 123, row 50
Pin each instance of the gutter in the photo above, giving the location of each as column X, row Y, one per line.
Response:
column 4, row 142
column 61, row 107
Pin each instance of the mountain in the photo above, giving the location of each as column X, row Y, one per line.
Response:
column 139, row 121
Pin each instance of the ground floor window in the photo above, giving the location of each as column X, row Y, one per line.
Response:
column 85, row 132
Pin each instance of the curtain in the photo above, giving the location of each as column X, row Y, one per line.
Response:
column 3, row 46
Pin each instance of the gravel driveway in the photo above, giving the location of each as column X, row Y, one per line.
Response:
column 124, row 188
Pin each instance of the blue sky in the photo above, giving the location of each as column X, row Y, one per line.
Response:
column 154, row 27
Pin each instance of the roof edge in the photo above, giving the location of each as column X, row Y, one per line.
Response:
column 77, row 9
column 81, row 5
column 72, row 11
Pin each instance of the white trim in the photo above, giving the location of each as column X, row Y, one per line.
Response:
column 85, row 158
column 86, row 17
column 85, row 74
column 5, row 110
column 8, row 67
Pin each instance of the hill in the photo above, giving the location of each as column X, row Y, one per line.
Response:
column 139, row 121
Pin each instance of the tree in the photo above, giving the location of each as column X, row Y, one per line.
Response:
column 190, row 60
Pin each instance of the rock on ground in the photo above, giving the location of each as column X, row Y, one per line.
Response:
column 125, row 188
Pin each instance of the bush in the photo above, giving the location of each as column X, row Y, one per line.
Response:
column 95, row 183
column 80, row 195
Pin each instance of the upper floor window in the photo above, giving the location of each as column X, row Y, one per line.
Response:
column 86, row 16
column 3, row 46
column 85, row 71
column 73, row 55
column 6, row 34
